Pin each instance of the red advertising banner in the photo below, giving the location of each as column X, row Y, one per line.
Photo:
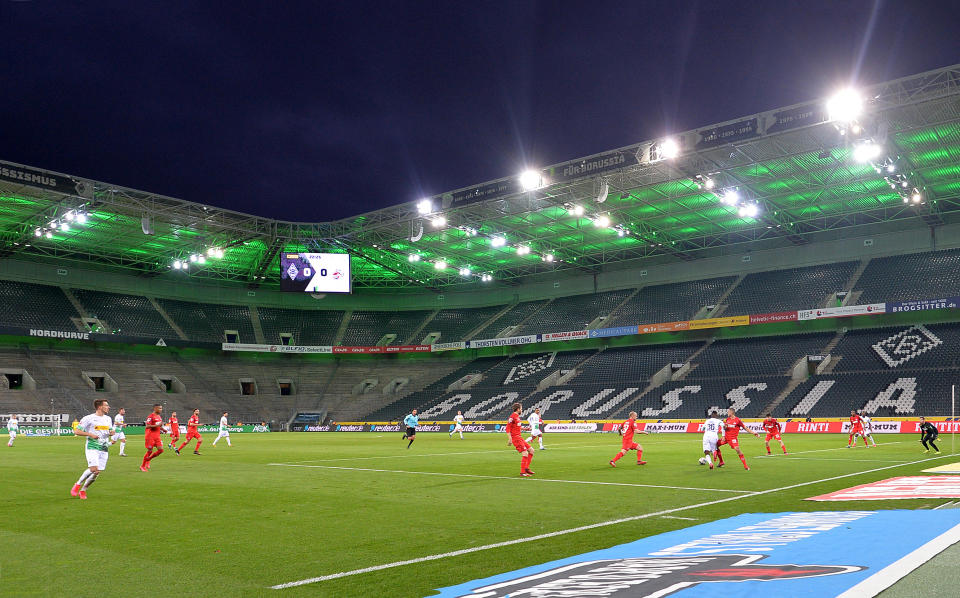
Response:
column 663, row 327
column 779, row 316
column 388, row 349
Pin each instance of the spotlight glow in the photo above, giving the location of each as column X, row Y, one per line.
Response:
column 464, row 271
column 49, row 235
column 486, row 278
column 916, row 197
column 602, row 221
column 867, row 152
column 82, row 218
column 425, row 206
column 669, row 149
column 202, row 259
column 177, row 265
column 749, row 210
column 440, row 265
column 439, row 221
column 413, row 257
column 845, row 106
column 548, row 257
column 530, row 180
column 71, row 215
column 498, row 241
column 65, row 227
column 730, row 197
column 576, row 210
column 891, row 167
column 38, row 233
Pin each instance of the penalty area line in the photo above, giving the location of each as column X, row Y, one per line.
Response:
column 572, row 530
column 500, row 477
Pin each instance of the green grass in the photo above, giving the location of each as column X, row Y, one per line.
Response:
column 228, row 523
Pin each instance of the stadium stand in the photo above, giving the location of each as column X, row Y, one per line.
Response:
column 927, row 275
column 670, row 302
column 772, row 355
column 207, row 322
column 456, row 324
column 694, row 398
column 35, row 306
column 314, row 327
column 899, row 348
column 514, row 316
column 572, row 313
column 793, row 288
column 130, row 315
column 366, row 328
column 878, row 394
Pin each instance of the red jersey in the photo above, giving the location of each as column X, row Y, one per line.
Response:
column 173, row 422
column 513, row 425
column 628, row 429
column 771, row 425
column 731, row 427
column 192, row 424
column 154, row 420
column 855, row 421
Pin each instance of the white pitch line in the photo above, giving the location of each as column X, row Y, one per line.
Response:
column 412, row 455
column 843, row 459
column 839, row 448
column 434, row 557
column 501, row 477
column 675, row 517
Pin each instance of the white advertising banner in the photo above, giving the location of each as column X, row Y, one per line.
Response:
column 844, row 311
column 276, row 348
column 565, row 336
column 578, row 427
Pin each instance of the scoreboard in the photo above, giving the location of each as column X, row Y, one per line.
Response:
column 315, row 272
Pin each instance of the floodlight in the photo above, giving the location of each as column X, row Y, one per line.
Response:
column 38, row 233
column 71, row 215
column 530, row 180
column 749, row 210
column 576, row 210
column 177, row 264
column 916, row 196
column 867, row 151
column 464, row 271
column 211, row 251
column 548, row 257
column 669, row 149
column 439, row 221
column 498, row 241
column 905, row 183
column 486, row 278
column 194, row 258
column 891, row 167
column 845, row 105
column 602, row 221
column 82, row 218
column 730, row 197
column 202, row 259
column 523, row 250
column 49, row 235
column 413, row 257
column 440, row 265
column 620, row 232
column 425, row 206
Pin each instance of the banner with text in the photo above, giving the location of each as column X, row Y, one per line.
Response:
column 615, row 331
column 565, row 336
column 894, row 307
column 664, row 327
column 276, row 348
column 719, row 322
column 844, row 311
column 780, row 316
column 504, row 342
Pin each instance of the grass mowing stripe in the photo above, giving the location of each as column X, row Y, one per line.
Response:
column 412, row 455
column 502, row 477
column 838, row 448
column 434, row 557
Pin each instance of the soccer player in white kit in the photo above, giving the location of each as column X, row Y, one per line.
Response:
column 119, row 435
column 535, row 432
column 97, row 427
column 12, row 427
column 458, row 425
column 867, row 430
column 224, row 430
column 711, row 429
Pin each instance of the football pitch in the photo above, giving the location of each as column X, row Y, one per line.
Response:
column 343, row 514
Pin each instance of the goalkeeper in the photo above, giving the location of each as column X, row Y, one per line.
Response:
column 928, row 434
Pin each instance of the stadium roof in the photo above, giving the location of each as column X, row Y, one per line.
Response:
column 802, row 172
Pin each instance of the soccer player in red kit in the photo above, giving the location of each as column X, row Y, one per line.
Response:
column 627, row 430
column 192, row 424
column 772, row 426
column 856, row 428
column 152, row 437
column 731, row 430
column 514, row 429
column 174, row 430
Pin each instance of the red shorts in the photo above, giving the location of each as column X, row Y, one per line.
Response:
column 191, row 435
column 733, row 442
column 174, row 435
column 520, row 444
column 153, row 441
column 630, row 446
column 771, row 435
column 857, row 430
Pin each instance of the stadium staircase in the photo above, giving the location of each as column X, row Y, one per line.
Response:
column 257, row 325
column 489, row 322
column 76, row 304
column 344, row 324
column 168, row 319
column 411, row 338
column 602, row 321
column 519, row 325
column 720, row 306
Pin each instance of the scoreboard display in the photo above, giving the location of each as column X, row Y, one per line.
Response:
column 315, row 272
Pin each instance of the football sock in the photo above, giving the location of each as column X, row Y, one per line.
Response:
column 461, row 435
column 743, row 460
column 123, row 446
column 709, row 460
column 784, row 447
column 617, row 457
column 411, row 442
column 529, row 439
column 541, row 441
column 155, row 455
column 639, row 455
column 83, row 477
column 90, row 480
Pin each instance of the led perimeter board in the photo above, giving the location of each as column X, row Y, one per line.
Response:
column 315, row 272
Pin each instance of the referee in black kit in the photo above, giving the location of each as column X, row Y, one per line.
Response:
column 928, row 433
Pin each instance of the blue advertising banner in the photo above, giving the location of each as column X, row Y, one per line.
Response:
column 738, row 131
column 615, row 331
column 756, row 554
column 796, row 117
column 922, row 304
column 487, row 191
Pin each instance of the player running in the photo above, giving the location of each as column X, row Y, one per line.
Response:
column 711, row 433
column 856, row 429
column 772, row 426
column 867, row 429
column 515, row 430
column 731, row 431
column 411, row 422
column 152, row 436
column 119, row 423
column 13, row 426
column 627, row 430
column 457, row 425
column 928, row 433
column 174, row 430
column 97, row 428
column 535, row 432
column 192, row 433
column 224, row 430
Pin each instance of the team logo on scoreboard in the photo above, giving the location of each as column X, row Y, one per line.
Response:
column 337, row 274
column 292, row 271
column 905, row 345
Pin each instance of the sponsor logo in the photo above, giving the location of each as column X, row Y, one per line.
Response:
column 259, row 428
column 529, row 368
column 448, row 346
column 565, row 336
column 578, row 427
column 923, row 304
column 351, row 428
column 782, row 316
column 429, row 428
column 813, row 426
column 663, row 327
column 387, row 428
column 316, row 428
column 841, row 312
column 83, row 336
column 600, row 163
column 615, row 331
column 666, row 427
column 503, row 342
column 719, row 322
column 906, row 487
column 905, row 345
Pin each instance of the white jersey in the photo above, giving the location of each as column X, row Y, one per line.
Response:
column 12, row 425
column 534, row 421
column 711, row 430
column 458, row 419
column 867, row 424
column 458, row 423
column 118, row 422
column 100, row 426
column 223, row 425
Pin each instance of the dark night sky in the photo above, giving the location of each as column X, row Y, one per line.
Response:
column 317, row 111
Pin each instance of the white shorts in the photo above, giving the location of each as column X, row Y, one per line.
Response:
column 119, row 436
column 536, row 433
column 458, row 428
column 710, row 442
column 224, row 433
column 13, row 434
column 97, row 458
